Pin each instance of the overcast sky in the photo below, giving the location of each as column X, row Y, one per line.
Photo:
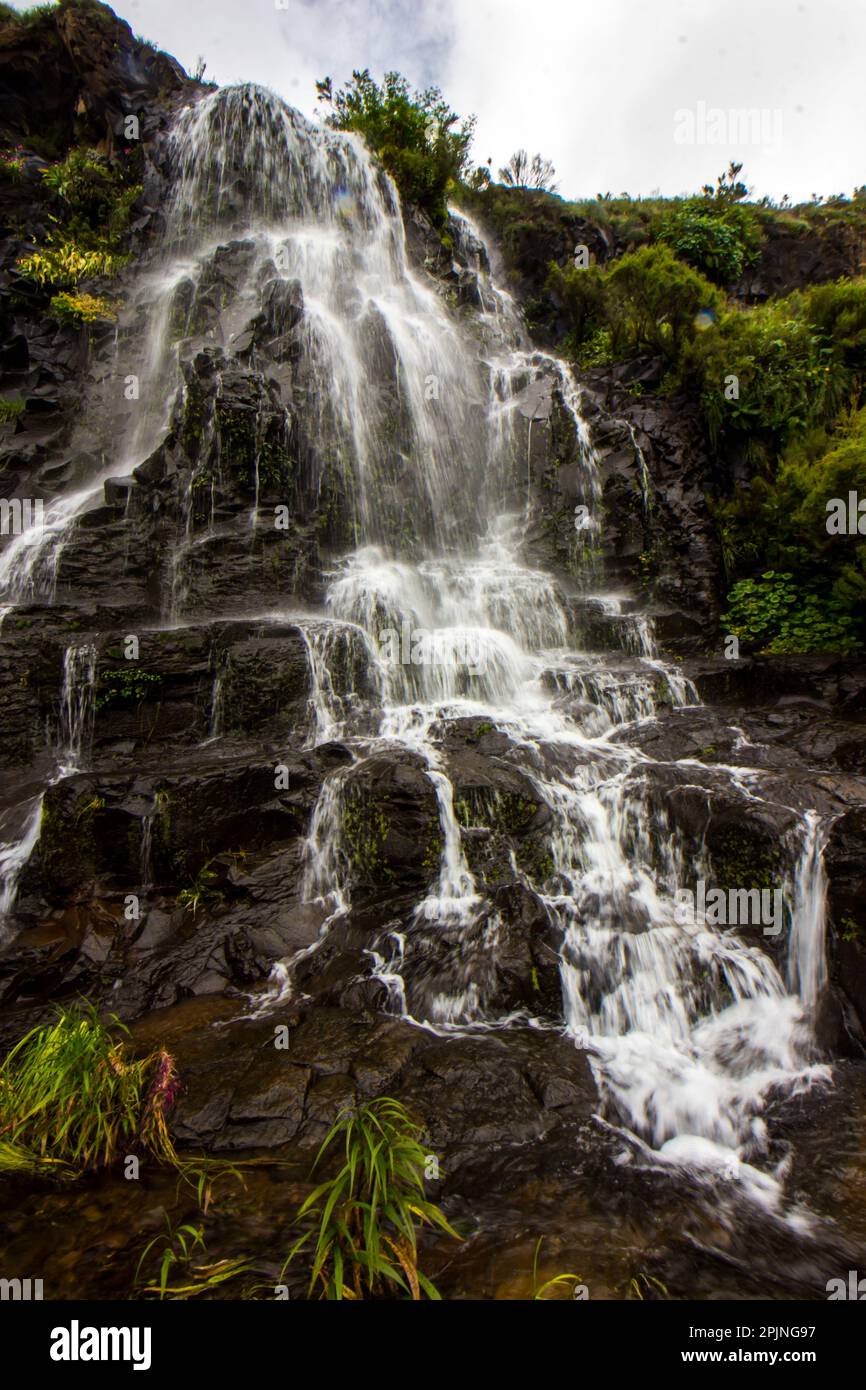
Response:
column 634, row 95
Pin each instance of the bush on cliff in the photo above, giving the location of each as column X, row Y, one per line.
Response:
column 649, row 301
column 799, row 585
column 413, row 134
column 718, row 238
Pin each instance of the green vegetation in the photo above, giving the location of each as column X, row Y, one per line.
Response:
column 10, row 410
column 719, row 238
column 813, row 598
column 12, row 165
column 176, row 1247
column 542, row 1293
column 35, row 15
column 780, row 613
column 740, row 859
column 66, row 264
column 72, row 1101
column 128, row 685
column 649, row 301
column 413, row 134
column 366, row 827
column 201, row 890
column 95, row 199
column 82, row 308
column 780, row 385
column 362, row 1222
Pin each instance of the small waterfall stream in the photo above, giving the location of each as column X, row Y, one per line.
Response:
column 436, row 613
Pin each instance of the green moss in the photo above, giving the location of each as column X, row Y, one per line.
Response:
column 366, row 826
column 433, row 856
column 850, row 930
column 483, row 806
column 128, row 685
column 10, row 410
column 68, row 833
column 742, row 859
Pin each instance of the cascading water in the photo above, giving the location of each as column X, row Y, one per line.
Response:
column 77, row 704
column 435, row 613
column 685, row 1065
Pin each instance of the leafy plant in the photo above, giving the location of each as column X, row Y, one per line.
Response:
column 71, row 1100
column 130, row 684
column 362, row 1222
column 778, row 614
column 12, row 167
column 66, row 264
column 200, row 890
column 649, row 301
column 718, row 238
column 179, row 1244
column 413, row 133
column 82, row 308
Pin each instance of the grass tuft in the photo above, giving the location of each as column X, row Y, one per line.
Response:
column 362, row 1222
column 72, row 1101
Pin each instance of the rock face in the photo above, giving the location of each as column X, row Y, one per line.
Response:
column 72, row 76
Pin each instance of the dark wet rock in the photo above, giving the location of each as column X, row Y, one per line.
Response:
column 241, row 1090
column 845, row 860
column 793, row 258
column 390, row 829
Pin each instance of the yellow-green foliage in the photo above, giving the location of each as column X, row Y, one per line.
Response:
column 11, row 167
column 83, row 308
column 66, row 264
column 72, row 1100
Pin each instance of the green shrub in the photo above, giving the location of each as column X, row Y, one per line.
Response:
column 787, row 375
column 649, row 301
column 82, row 308
column 837, row 313
column 779, row 613
column 98, row 197
column 657, row 301
column 811, row 593
column 412, row 134
column 720, row 239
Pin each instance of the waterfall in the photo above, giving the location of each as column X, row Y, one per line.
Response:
column 422, row 419
column 77, row 704
column 14, row 855
column 807, row 961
